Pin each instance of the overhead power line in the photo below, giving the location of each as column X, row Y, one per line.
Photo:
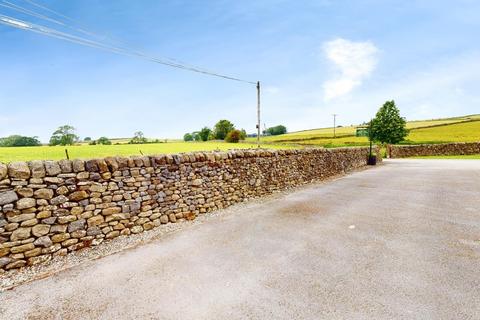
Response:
column 82, row 29
column 99, row 43
column 14, row 7
column 123, row 50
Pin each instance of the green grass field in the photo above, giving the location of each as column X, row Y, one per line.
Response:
column 98, row 151
column 459, row 129
column 470, row 157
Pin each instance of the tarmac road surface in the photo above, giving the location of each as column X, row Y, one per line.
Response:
column 399, row 241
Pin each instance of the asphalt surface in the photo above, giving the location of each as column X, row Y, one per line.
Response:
column 400, row 241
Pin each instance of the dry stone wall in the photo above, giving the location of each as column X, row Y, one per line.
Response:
column 446, row 149
column 50, row 208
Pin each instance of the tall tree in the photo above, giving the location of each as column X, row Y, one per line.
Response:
column 63, row 136
column 196, row 136
column 222, row 128
column 204, row 133
column 243, row 134
column 388, row 127
column 138, row 138
column 187, row 137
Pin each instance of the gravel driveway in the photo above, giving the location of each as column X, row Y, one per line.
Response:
column 400, row 241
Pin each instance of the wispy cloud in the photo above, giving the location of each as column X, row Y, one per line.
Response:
column 354, row 61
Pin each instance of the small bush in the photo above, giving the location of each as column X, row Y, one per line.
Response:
column 234, row 136
column 104, row 140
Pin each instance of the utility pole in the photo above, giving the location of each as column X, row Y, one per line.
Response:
column 334, row 124
column 258, row 114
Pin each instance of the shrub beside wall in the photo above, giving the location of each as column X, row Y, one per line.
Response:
column 50, row 208
column 446, row 149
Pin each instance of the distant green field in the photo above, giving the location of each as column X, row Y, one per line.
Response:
column 97, row 151
column 459, row 129
column 471, row 156
column 456, row 132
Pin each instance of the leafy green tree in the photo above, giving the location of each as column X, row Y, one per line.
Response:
column 138, row 138
column 188, row 137
column 388, row 127
column 196, row 136
column 233, row 136
column 86, row 139
column 222, row 128
column 280, row 129
column 204, row 133
column 63, row 136
column 243, row 134
column 104, row 140
column 19, row 141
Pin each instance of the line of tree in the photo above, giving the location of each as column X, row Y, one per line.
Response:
column 274, row 131
column 223, row 130
column 101, row 140
column 19, row 141
column 65, row 135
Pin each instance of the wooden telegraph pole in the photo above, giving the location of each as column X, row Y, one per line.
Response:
column 258, row 114
column 334, row 124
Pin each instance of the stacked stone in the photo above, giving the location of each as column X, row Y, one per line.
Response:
column 444, row 149
column 50, row 208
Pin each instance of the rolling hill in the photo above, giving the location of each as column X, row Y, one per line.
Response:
column 456, row 129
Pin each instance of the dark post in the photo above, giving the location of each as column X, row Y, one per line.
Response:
column 258, row 114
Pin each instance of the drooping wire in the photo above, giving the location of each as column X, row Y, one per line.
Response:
column 83, row 29
column 20, row 24
column 12, row 6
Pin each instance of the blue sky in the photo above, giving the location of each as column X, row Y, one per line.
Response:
column 314, row 58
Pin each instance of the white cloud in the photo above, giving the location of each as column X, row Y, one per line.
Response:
column 354, row 61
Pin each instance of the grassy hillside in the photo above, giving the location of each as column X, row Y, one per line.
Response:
column 458, row 129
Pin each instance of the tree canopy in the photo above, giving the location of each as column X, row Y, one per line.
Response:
column 388, row 126
column 233, row 136
column 280, row 129
column 138, row 138
column 188, row 137
column 104, row 140
column 205, row 133
column 19, row 141
column 221, row 132
column 63, row 136
column 222, row 128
